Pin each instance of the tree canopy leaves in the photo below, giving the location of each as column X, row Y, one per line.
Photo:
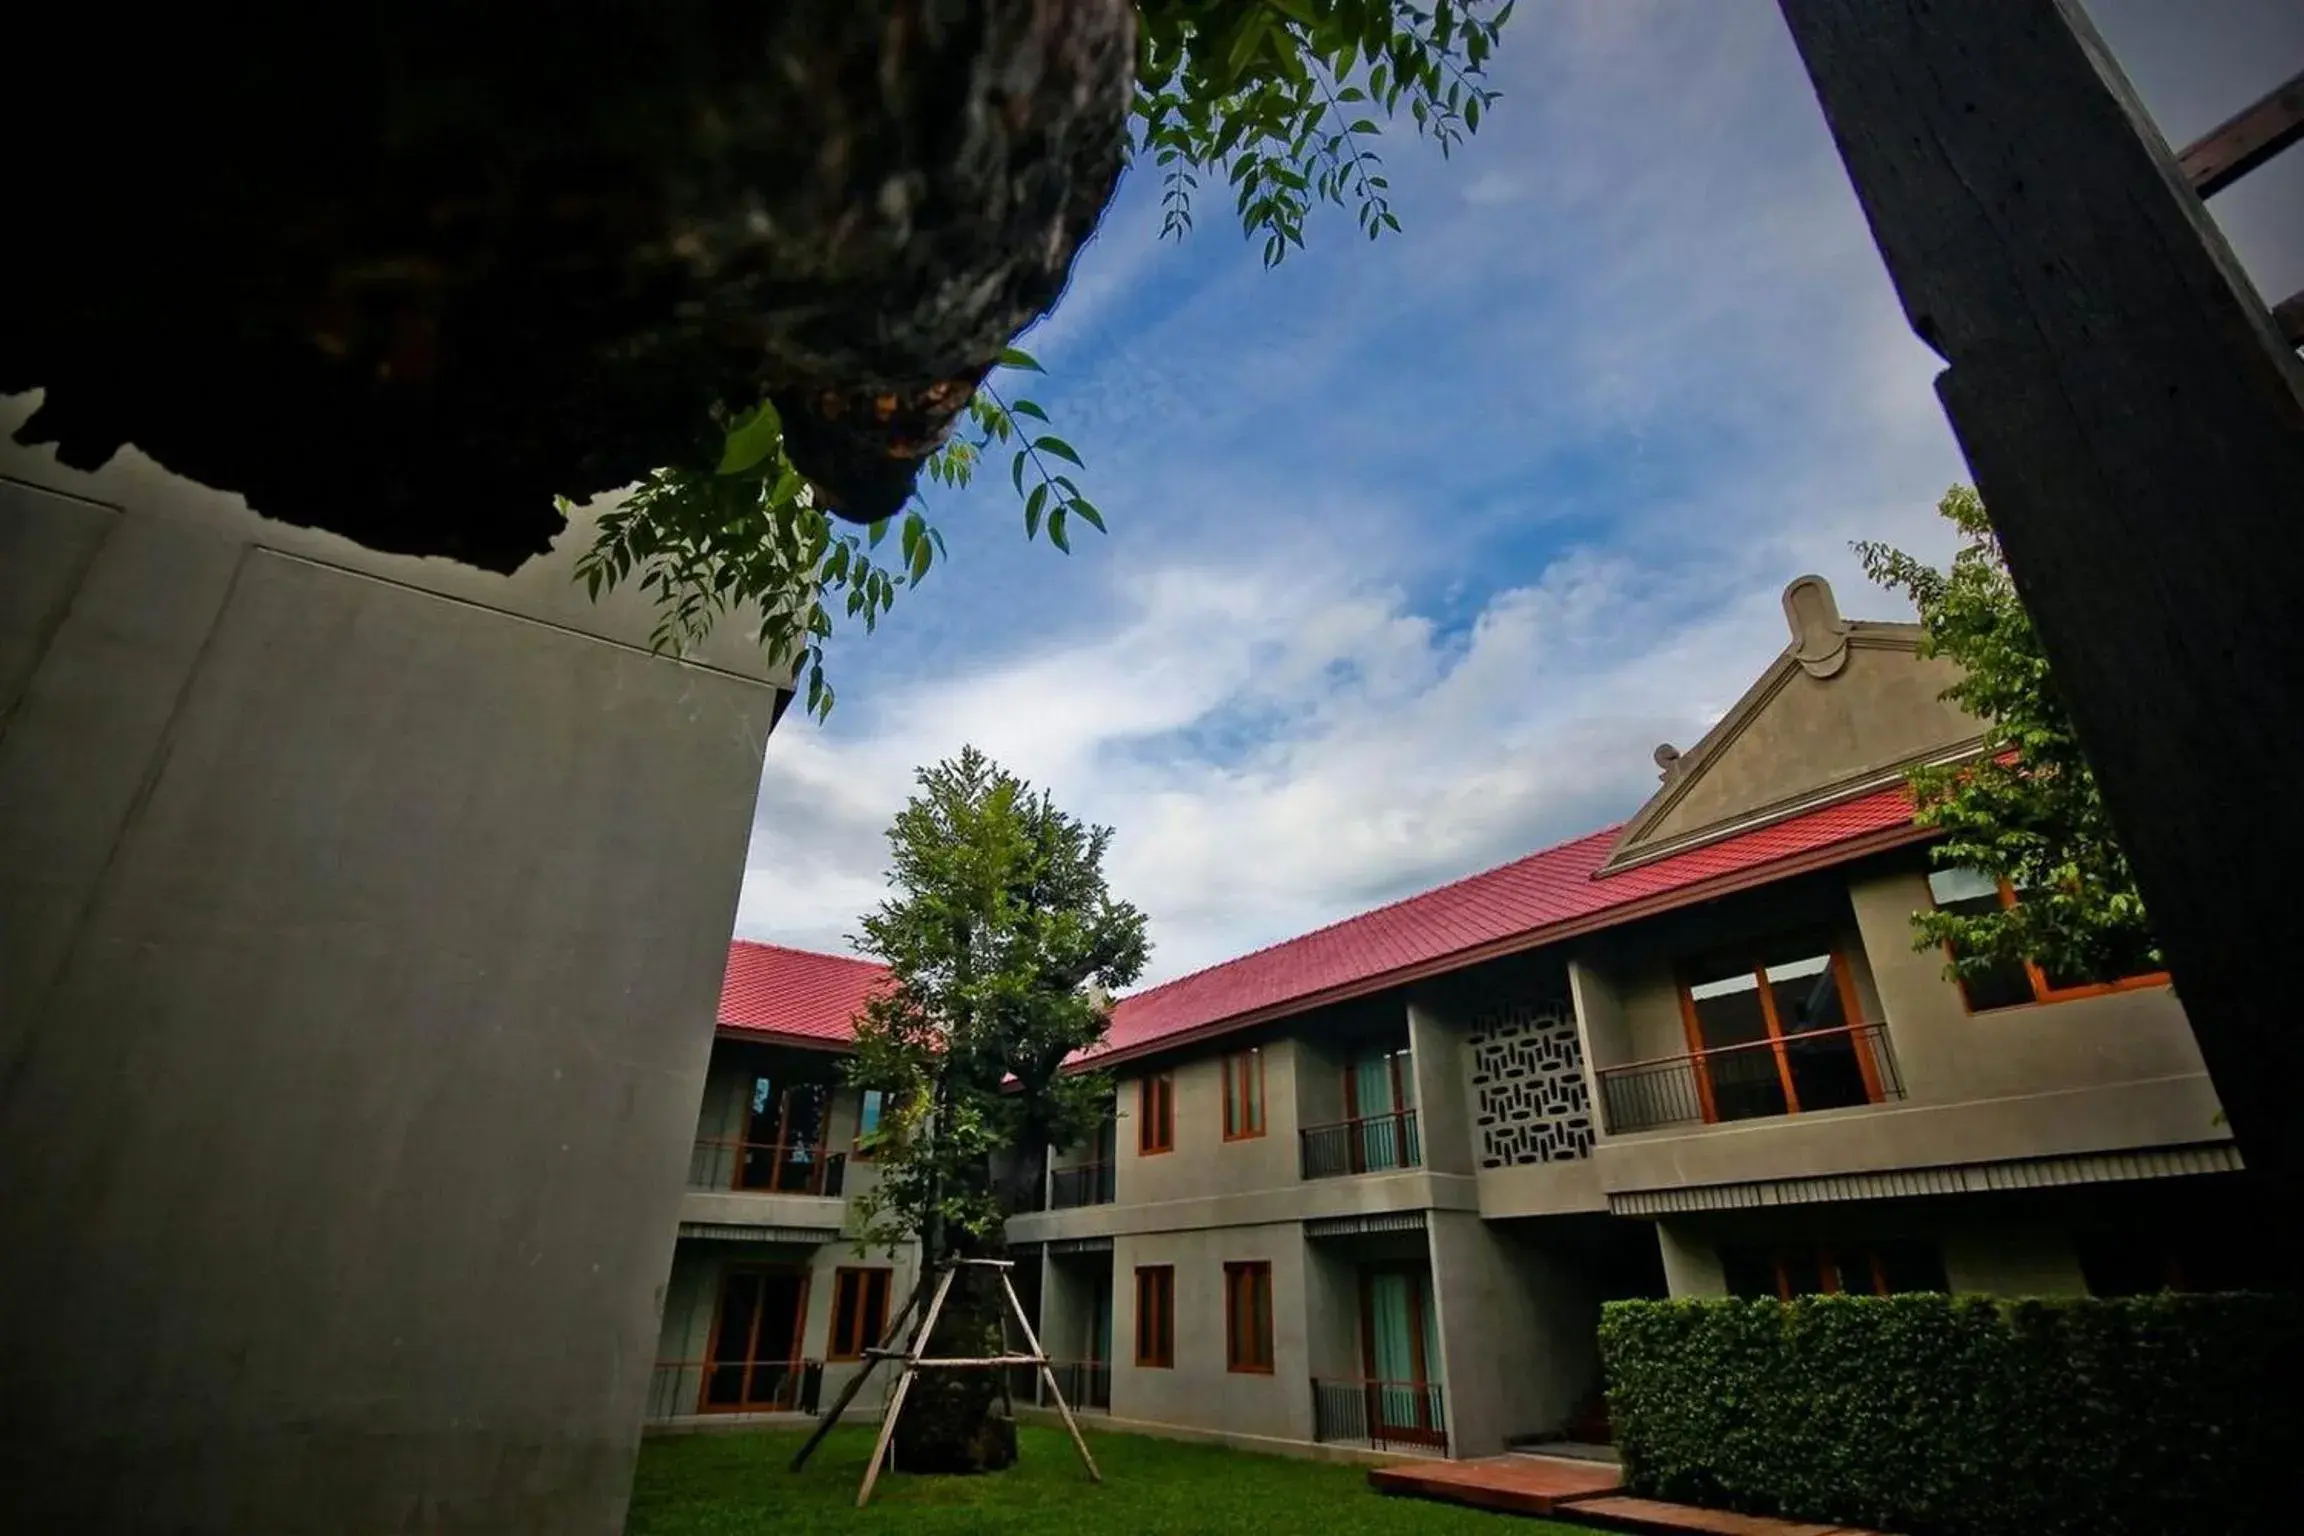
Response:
column 1003, row 944
column 1278, row 100
column 2026, row 811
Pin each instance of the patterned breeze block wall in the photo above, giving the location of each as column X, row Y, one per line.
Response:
column 1528, row 1086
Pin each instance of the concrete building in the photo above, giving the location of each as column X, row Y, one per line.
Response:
column 1368, row 1188
column 344, row 903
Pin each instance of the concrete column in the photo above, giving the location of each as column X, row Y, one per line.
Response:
column 1691, row 1262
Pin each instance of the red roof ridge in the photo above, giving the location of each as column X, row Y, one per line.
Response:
column 806, row 954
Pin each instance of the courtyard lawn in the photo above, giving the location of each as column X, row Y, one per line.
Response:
column 736, row 1484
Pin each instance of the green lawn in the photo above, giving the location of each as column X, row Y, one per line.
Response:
column 726, row 1484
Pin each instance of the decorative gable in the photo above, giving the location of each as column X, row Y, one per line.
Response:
column 1847, row 707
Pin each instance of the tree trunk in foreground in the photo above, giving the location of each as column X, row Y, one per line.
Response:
column 952, row 1422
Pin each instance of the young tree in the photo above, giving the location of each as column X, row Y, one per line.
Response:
column 1278, row 101
column 1003, row 946
column 2026, row 810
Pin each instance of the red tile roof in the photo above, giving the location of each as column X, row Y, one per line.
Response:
column 1544, row 897
column 796, row 995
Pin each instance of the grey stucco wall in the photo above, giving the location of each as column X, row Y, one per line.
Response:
column 1199, row 1391
column 362, row 922
column 1516, row 1332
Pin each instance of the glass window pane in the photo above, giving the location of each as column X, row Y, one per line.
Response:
column 1947, row 886
column 1745, row 1084
column 1827, row 1073
column 868, row 1113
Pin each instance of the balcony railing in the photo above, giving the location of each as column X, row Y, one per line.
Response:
column 1381, row 1415
column 789, row 1168
column 1370, row 1144
column 1813, row 1069
column 1083, row 1184
column 678, row 1389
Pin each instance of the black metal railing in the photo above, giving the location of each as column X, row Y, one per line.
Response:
column 678, row 1389
column 787, row 1168
column 1812, row 1069
column 1082, row 1184
column 1370, row 1144
column 1381, row 1415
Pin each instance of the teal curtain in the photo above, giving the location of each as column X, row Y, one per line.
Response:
column 1397, row 1302
column 1382, row 1137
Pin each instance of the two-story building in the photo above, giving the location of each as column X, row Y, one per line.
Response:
column 770, row 1301
column 1370, row 1186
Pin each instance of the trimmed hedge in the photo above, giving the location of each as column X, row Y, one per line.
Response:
column 1966, row 1416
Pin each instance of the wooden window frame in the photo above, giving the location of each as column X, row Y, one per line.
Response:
column 857, row 1280
column 1156, row 1304
column 1833, row 1263
column 857, row 1151
column 1244, row 1108
column 777, row 1144
column 1843, row 982
column 1248, row 1353
column 1155, row 1114
column 2043, row 991
column 750, row 1362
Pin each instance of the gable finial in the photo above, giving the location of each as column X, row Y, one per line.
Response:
column 1667, row 759
column 1819, row 634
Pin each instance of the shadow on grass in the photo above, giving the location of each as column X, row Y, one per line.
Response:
column 736, row 1484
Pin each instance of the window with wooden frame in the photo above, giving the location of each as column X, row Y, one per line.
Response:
column 1156, row 1315
column 1156, row 1114
column 1887, row 1268
column 1244, row 1094
column 868, row 1106
column 1248, row 1317
column 859, row 1312
column 2015, row 983
column 783, row 1147
column 1775, row 1030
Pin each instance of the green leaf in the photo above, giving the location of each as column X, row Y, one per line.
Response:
column 878, row 531
column 752, row 440
column 1056, row 534
column 1088, row 514
column 1017, row 357
column 1058, row 448
column 1028, row 408
column 1032, row 508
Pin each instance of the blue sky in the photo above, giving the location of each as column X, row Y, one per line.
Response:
column 1419, row 547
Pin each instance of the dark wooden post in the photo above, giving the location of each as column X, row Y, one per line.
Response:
column 2136, row 428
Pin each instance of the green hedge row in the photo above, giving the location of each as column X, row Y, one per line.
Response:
column 1933, row 1415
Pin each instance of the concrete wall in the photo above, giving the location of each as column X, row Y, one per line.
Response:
column 1203, row 1162
column 1517, row 1336
column 361, row 926
column 1883, row 707
column 1199, row 1391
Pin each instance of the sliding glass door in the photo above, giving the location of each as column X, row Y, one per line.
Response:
column 1380, row 1101
column 754, row 1359
column 1401, row 1348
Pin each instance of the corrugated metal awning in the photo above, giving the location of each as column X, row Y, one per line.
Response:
column 744, row 1232
column 1957, row 1179
column 1365, row 1226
